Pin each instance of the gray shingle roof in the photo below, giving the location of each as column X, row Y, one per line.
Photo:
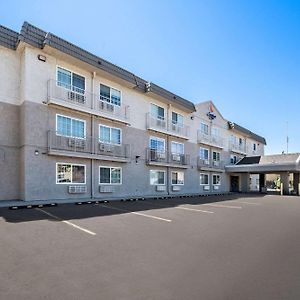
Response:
column 39, row 38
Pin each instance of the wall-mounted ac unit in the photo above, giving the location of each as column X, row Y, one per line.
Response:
column 76, row 97
column 216, row 163
column 160, row 188
column 161, row 155
column 176, row 157
column 77, row 189
column 106, row 147
column 216, row 187
column 106, row 189
column 78, row 143
column 206, row 188
column 176, row 188
column 206, row 161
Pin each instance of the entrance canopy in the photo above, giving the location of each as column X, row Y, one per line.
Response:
column 267, row 164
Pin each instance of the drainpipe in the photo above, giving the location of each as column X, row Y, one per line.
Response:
column 168, row 148
column 92, row 138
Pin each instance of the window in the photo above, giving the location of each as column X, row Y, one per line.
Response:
column 110, row 135
column 157, row 112
column 204, row 179
column 204, row 153
column 70, row 80
column 177, row 178
column 204, row 128
column 241, row 141
column 70, row 127
column 177, row 148
column 157, row 177
column 70, row 173
column 110, row 95
column 216, row 156
column 216, row 179
column 215, row 131
column 177, row 119
column 254, row 147
column 110, row 175
column 157, row 144
column 233, row 159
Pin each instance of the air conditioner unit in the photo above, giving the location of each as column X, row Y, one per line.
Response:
column 161, row 155
column 78, row 143
column 176, row 157
column 216, row 163
column 80, row 98
column 160, row 188
column 176, row 188
column 106, row 189
column 106, row 147
column 206, row 188
column 216, row 187
column 110, row 107
column 77, row 189
column 206, row 161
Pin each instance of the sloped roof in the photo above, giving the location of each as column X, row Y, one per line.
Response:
column 37, row 37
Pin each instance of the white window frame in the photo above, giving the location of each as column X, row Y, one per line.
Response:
column 212, row 155
column 213, row 179
column 159, row 139
column 178, row 143
column 207, row 152
column 157, row 183
column 72, row 72
column 204, row 123
column 111, row 87
column 70, row 164
column 177, row 183
column 160, row 107
column 109, row 167
column 110, row 127
column 207, row 174
column 178, row 114
column 75, row 137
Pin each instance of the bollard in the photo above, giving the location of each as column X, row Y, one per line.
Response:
column 281, row 188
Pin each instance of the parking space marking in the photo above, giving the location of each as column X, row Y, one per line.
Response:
column 180, row 207
column 221, row 205
column 66, row 222
column 244, row 202
column 136, row 213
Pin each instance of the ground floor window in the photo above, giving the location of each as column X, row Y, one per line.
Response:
column 216, row 179
column 177, row 178
column 157, row 177
column 204, row 179
column 110, row 175
column 70, row 173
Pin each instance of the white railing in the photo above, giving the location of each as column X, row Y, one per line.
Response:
column 237, row 147
column 162, row 124
column 210, row 163
column 210, row 139
column 66, row 94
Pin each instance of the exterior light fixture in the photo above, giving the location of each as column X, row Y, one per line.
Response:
column 137, row 159
column 36, row 152
column 42, row 58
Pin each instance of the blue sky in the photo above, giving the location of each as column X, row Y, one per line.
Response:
column 243, row 55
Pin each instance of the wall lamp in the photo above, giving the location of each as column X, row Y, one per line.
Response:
column 137, row 159
column 42, row 57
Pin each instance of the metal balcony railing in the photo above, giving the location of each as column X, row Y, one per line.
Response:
column 210, row 139
column 87, row 145
column 236, row 147
column 153, row 155
column 210, row 163
column 167, row 126
column 71, row 96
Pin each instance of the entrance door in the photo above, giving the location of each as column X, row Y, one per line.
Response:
column 234, row 184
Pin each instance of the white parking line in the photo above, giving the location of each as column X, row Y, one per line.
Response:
column 136, row 213
column 66, row 222
column 244, row 202
column 221, row 205
column 180, row 207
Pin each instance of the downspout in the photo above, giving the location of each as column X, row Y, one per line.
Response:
column 168, row 149
column 93, row 136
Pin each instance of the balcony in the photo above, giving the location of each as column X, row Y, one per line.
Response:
column 89, row 147
column 81, row 100
column 211, row 140
column 167, row 159
column 238, row 148
column 163, row 125
column 210, row 165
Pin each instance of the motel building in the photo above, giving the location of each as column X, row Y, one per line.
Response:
column 75, row 126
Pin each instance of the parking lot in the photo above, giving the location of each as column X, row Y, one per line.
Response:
column 217, row 247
